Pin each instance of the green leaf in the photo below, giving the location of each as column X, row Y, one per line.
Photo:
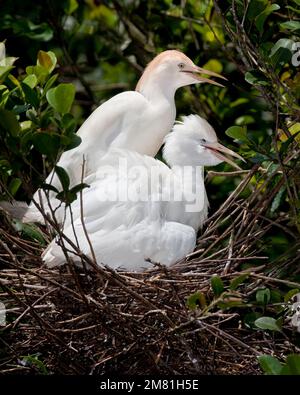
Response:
column 26, row 141
column 47, row 60
column 269, row 364
column 291, row 25
column 41, row 32
column 46, row 143
column 69, row 124
column 44, row 60
column 63, row 177
column 26, row 125
column 268, row 323
column 4, row 71
column 263, row 296
column 250, row 318
column 33, row 360
column 289, row 295
column 30, row 95
column 14, row 185
column 39, row 71
column 237, row 132
column 79, row 187
column 296, row 10
column 31, row 80
column 9, row 61
column 61, row 97
column 32, row 115
column 276, row 297
column 261, row 18
column 286, row 144
column 237, row 281
column 19, row 109
column 278, row 199
column 282, row 51
column 292, row 365
column 229, row 302
column 49, row 187
column 49, row 83
column 9, row 122
column 255, row 77
column 255, row 8
column 238, row 102
column 67, row 197
column 244, row 120
column 196, row 300
column 32, row 232
column 70, row 6
column 74, row 141
column 213, row 65
column 217, row 285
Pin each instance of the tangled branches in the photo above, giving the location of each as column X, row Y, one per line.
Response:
column 101, row 321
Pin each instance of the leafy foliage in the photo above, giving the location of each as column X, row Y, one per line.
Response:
column 271, row 365
column 34, row 120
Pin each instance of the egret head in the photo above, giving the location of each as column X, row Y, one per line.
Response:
column 193, row 142
column 172, row 69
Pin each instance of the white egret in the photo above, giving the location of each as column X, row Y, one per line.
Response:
column 164, row 207
column 134, row 120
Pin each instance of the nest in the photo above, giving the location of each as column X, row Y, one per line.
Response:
column 76, row 321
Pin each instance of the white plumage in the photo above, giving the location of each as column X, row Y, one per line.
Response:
column 135, row 120
column 151, row 223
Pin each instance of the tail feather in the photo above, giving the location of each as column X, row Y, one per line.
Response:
column 53, row 255
column 15, row 209
column 22, row 211
column 33, row 215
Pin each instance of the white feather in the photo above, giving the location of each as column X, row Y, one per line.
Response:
column 127, row 234
column 134, row 120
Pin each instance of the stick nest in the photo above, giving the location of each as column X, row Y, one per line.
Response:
column 73, row 321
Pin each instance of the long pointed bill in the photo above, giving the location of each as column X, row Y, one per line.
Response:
column 219, row 149
column 195, row 70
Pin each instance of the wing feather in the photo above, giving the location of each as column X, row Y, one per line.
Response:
column 125, row 234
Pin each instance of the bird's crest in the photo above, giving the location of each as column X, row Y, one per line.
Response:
column 194, row 123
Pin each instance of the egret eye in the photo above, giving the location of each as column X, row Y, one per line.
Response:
column 203, row 141
column 181, row 65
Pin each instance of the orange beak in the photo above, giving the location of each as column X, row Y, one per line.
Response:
column 195, row 70
column 219, row 149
